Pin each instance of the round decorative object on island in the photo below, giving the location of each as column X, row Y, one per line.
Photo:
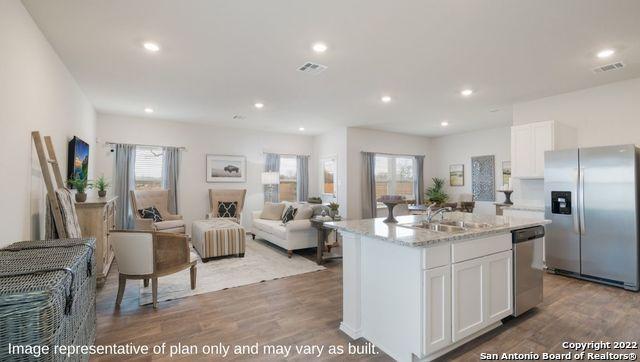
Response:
column 391, row 201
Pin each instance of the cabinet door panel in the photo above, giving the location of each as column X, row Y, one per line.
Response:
column 499, row 286
column 437, row 309
column 542, row 141
column 521, row 151
column 468, row 315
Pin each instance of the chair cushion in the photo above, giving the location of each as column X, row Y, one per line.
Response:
column 169, row 224
column 227, row 209
column 289, row 214
column 150, row 213
column 272, row 211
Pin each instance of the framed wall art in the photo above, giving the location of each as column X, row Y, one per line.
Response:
column 226, row 168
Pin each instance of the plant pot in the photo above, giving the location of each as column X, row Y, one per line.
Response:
column 81, row 197
column 102, row 193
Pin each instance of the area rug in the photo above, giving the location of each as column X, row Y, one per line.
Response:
column 261, row 262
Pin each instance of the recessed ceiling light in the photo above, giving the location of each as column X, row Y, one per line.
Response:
column 258, row 105
column 301, row 129
column 386, row 99
column 150, row 46
column 148, row 110
column 319, row 47
column 466, row 92
column 606, row 53
column 444, row 123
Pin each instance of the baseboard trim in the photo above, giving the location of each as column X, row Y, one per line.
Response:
column 351, row 332
column 446, row 350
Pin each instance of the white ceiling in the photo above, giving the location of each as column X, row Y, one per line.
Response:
column 219, row 57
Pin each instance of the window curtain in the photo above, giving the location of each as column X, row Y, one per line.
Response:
column 124, row 183
column 302, row 179
column 368, row 185
column 272, row 164
column 170, row 173
column 418, row 179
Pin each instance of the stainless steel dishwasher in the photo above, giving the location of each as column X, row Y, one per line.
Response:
column 527, row 268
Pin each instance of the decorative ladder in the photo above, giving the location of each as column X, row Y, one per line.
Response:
column 49, row 165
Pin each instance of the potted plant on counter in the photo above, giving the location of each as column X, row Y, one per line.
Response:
column 333, row 207
column 80, row 184
column 435, row 193
column 102, row 185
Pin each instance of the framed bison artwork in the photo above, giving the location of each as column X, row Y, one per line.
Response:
column 226, row 168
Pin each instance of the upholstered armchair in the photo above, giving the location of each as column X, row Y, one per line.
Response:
column 149, row 255
column 141, row 199
column 216, row 197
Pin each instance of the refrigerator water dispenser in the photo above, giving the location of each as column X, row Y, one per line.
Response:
column 561, row 202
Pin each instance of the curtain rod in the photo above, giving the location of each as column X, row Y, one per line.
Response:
column 285, row 154
column 140, row 144
column 392, row 154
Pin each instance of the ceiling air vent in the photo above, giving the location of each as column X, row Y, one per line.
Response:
column 609, row 67
column 312, row 68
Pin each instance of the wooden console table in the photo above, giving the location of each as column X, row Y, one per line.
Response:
column 323, row 233
column 97, row 216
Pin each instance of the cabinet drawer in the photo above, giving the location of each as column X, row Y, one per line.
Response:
column 471, row 249
column 436, row 256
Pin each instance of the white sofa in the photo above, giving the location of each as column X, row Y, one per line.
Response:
column 296, row 234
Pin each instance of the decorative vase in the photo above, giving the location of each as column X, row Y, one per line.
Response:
column 390, row 205
column 333, row 213
column 507, row 196
column 102, row 193
column 81, row 197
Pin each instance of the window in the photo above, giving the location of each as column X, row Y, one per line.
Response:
column 288, row 178
column 329, row 176
column 394, row 176
column 148, row 168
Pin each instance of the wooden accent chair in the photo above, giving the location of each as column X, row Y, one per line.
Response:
column 141, row 199
column 216, row 196
column 149, row 255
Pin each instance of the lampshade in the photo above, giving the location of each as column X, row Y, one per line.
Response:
column 270, row 178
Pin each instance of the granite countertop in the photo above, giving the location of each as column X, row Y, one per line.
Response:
column 416, row 237
column 524, row 207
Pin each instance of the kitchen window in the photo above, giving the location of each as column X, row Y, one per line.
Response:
column 148, row 168
column 394, row 176
column 288, row 178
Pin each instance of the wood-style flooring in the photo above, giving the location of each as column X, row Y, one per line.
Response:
column 307, row 308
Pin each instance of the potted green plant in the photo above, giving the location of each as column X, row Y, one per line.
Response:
column 435, row 193
column 80, row 184
column 101, row 184
column 333, row 207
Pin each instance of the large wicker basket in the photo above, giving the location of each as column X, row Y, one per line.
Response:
column 47, row 296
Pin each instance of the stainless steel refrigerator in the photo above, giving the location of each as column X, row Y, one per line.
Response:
column 591, row 197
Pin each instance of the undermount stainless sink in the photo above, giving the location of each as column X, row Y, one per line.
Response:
column 467, row 225
column 447, row 226
column 434, row 227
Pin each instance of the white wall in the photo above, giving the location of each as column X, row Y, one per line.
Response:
column 332, row 144
column 458, row 149
column 200, row 140
column 604, row 115
column 36, row 93
column 360, row 139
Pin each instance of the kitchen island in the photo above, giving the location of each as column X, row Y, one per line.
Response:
column 418, row 290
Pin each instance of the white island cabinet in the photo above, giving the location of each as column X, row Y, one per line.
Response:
column 417, row 294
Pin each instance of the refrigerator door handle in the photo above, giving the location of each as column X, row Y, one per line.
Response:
column 581, row 205
column 574, row 207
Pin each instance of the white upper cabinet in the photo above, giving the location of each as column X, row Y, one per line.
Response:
column 530, row 141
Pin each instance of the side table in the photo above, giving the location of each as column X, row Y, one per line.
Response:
column 323, row 233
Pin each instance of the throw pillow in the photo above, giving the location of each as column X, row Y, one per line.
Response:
column 289, row 214
column 227, row 209
column 304, row 213
column 272, row 211
column 150, row 213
